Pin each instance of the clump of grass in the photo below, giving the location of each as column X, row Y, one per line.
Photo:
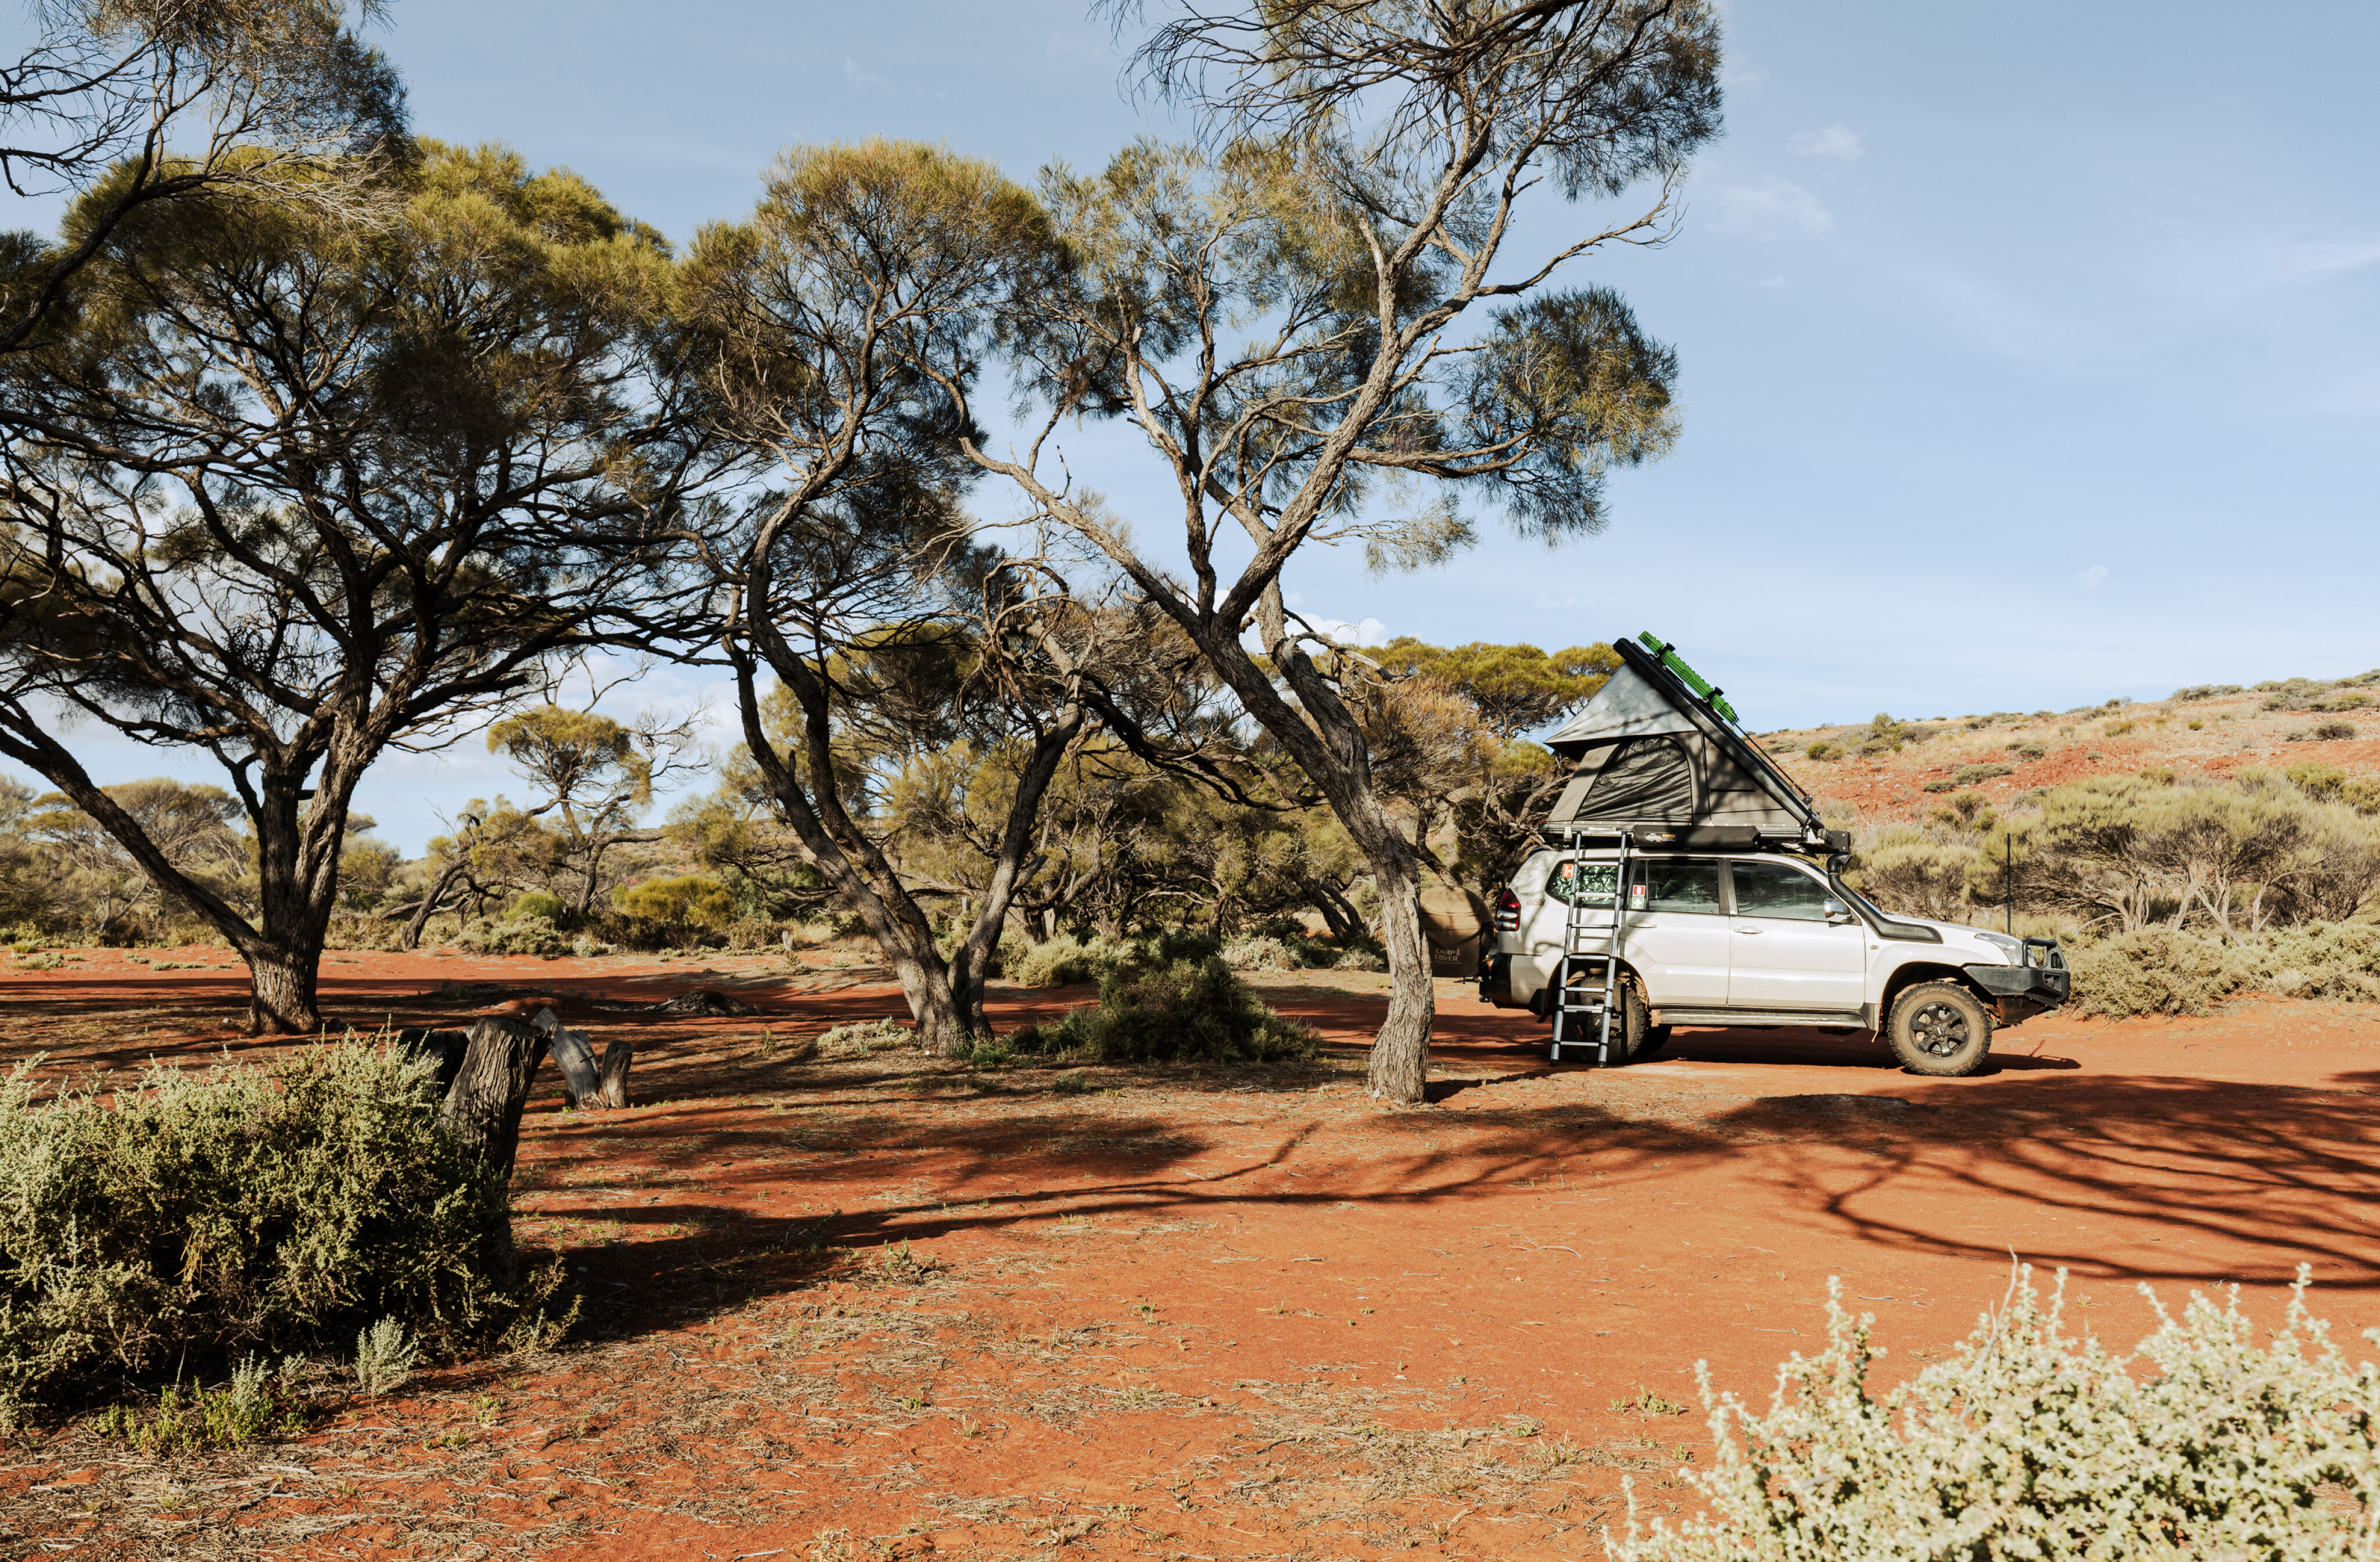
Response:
column 252, row 1406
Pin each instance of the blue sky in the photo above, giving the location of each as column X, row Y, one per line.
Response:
column 2030, row 353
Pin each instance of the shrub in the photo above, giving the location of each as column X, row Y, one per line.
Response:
column 861, row 1038
column 696, row 900
column 209, row 1215
column 2026, row 749
column 1360, row 957
column 249, row 1407
column 1942, row 783
column 2197, row 726
column 384, row 1357
column 1261, row 955
column 2156, row 971
column 535, row 902
column 2028, row 1442
column 1060, row 962
column 528, row 934
column 1909, row 871
column 2117, row 729
column 2208, row 691
column 1159, row 1008
column 1823, row 750
column 2334, row 732
column 2344, row 702
column 1969, row 775
column 2293, row 694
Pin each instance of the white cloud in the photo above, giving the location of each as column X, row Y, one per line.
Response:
column 1836, row 141
column 2229, row 270
column 2092, row 577
column 1771, row 208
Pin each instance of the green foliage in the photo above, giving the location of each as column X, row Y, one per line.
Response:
column 2227, row 856
column 250, row 1407
column 1823, row 750
column 1170, row 1006
column 1917, row 872
column 203, row 1215
column 2334, row 732
column 681, row 904
column 513, row 934
column 2117, row 729
column 2026, row 749
column 1968, row 775
column 384, row 1357
column 535, row 903
column 2160, row 970
column 2030, row 1442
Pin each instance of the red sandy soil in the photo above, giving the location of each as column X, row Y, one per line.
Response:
column 886, row 1307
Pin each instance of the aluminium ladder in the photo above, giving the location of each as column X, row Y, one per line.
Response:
column 1572, row 1006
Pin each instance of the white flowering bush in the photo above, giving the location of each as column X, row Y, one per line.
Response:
column 2030, row 1443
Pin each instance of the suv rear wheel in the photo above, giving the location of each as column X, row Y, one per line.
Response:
column 1939, row 1028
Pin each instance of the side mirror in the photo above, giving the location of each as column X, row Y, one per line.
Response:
column 1836, row 911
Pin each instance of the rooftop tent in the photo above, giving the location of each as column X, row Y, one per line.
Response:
column 1658, row 751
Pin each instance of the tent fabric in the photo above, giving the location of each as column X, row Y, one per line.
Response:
column 1641, row 759
column 1628, row 705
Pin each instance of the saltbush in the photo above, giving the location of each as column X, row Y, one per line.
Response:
column 1263, row 953
column 203, row 1217
column 862, row 1037
column 1823, row 750
column 2334, row 732
column 2161, row 971
column 1060, row 962
column 2030, row 1442
column 522, row 935
column 1360, row 957
column 1969, row 775
column 1167, row 1006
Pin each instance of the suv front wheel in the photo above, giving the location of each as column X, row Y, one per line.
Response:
column 1939, row 1028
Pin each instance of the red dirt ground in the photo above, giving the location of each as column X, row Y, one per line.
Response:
column 885, row 1307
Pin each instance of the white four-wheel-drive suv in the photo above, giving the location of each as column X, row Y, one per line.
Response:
column 1756, row 938
column 1732, row 907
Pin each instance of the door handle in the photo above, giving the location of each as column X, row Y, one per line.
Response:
column 1749, row 932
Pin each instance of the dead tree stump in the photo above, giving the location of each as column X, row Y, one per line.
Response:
column 490, row 1088
column 445, row 1046
column 613, row 1091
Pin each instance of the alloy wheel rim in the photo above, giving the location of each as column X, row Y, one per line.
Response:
column 1939, row 1029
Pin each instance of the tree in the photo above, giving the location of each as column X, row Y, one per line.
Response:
column 861, row 284
column 297, row 489
column 271, row 98
column 195, row 828
column 596, row 775
column 1350, row 215
column 1497, row 799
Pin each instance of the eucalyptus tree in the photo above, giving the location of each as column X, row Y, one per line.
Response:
column 867, row 278
column 595, row 776
column 296, row 489
column 1329, row 325
column 267, row 98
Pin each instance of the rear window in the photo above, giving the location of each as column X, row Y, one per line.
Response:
column 1586, row 884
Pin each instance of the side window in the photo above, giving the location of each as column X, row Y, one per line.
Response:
column 1679, row 886
column 1776, row 890
column 1587, row 884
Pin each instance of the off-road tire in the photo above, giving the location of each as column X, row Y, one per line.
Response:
column 1655, row 1038
column 1940, row 1029
column 1628, row 1037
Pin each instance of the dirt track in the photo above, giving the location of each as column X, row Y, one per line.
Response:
column 881, row 1307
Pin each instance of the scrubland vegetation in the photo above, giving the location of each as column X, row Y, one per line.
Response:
column 323, row 440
